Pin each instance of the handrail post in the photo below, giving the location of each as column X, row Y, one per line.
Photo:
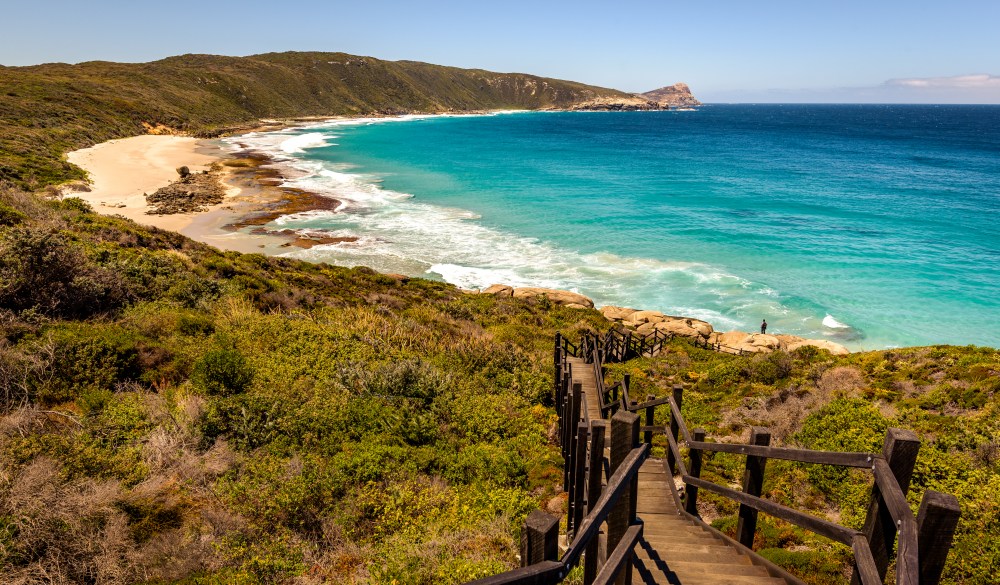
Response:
column 753, row 483
column 539, row 538
column 624, row 438
column 675, row 428
column 594, row 485
column 691, row 491
column 648, row 435
column 579, row 480
column 557, row 359
column 900, row 451
column 936, row 523
column 572, row 425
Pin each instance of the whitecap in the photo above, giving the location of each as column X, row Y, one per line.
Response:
column 299, row 143
column 832, row 323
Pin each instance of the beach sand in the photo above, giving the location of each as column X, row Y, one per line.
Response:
column 123, row 171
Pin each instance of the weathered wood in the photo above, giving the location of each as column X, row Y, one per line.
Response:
column 545, row 573
column 675, row 450
column 597, row 431
column 580, row 479
column 618, row 485
column 648, row 435
column 817, row 525
column 936, row 522
column 841, row 458
column 650, row 401
column 624, row 438
column 675, row 424
column 866, row 569
column 900, row 452
column 539, row 539
column 753, row 483
column 621, row 558
column 907, row 564
column 576, row 403
column 691, row 491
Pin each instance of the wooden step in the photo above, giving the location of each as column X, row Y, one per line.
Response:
column 695, row 569
column 663, row 559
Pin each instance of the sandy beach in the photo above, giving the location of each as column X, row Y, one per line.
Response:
column 123, row 171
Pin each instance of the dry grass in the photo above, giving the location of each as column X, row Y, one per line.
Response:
column 784, row 411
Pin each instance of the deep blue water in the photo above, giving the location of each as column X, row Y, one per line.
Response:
column 883, row 219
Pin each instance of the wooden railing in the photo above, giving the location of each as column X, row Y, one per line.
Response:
column 924, row 540
column 591, row 501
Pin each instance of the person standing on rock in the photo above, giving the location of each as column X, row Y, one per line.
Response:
column 763, row 327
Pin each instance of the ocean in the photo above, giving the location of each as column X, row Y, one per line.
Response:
column 873, row 226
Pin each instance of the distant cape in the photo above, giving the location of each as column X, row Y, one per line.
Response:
column 677, row 95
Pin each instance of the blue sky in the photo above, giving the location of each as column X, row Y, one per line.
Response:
column 728, row 51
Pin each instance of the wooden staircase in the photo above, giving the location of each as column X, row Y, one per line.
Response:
column 673, row 549
column 677, row 550
column 627, row 521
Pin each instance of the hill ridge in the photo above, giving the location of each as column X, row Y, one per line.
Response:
column 49, row 109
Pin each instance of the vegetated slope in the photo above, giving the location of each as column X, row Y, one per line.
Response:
column 949, row 396
column 172, row 413
column 46, row 110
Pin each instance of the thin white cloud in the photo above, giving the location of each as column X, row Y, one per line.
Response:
column 979, row 81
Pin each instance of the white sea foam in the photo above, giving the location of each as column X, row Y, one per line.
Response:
column 832, row 323
column 399, row 233
column 300, row 142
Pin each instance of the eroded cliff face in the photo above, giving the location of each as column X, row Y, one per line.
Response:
column 677, row 95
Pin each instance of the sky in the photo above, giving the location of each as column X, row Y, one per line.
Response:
column 882, row 51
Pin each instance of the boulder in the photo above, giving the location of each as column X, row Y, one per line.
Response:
column 614, row 313
column 559, row 297
column 499, row 290
column 639, row 317
column 684, row 327
column 645, row 328
column 834, row 348
column 733, row 338
column 760, row 343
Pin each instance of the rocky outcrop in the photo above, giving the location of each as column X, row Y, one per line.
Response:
column 616, row 104
column 677, row 95
column 192, row 193
column 647, row 322
column 499, row 290
column 558, row 297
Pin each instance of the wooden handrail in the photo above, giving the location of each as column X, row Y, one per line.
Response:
column 616, row 562
column 841, row 458
column 617, row 346
column 617, row 484
column 907, row 563
column 815, row 524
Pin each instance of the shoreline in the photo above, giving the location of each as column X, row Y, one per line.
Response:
column 124, row 170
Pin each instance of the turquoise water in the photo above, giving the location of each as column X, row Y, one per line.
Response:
column 873, row 226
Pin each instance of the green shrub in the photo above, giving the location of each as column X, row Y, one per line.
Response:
column 46, row 271
column 223, row 371
column 89, row 360
column 10, row 216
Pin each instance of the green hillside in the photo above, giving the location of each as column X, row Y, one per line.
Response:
column 171, row 413
column 47, row 110
column 175, row 414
